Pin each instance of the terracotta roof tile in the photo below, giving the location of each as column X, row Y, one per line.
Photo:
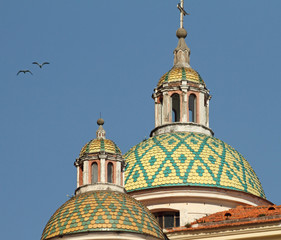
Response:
column 241, row 215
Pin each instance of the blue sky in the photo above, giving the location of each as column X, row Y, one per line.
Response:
column 107, row 56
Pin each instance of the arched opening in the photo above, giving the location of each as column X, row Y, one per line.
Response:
column 168, row 219
column 175, row 107
column 95, row 173
column 110, row 172
column 192, row 108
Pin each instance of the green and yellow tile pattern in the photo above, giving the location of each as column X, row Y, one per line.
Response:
column 179, row 74
column 102, row 211
column 188, row 159
column 100, row 145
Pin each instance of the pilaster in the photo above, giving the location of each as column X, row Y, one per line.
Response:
column 184, row 103
column 118, row 173
column 156, row 112
column 166, row 108
column 78, row 175
column 202, row 109
column 86, row 172
column 102, row 158
column 207, row 113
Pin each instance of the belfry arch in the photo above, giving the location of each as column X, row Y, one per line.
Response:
column 192, row 108
column 176, row 111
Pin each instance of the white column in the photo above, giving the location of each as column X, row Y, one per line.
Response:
column 156, row 108
column 78, row 175
column 102, row 170
column 159, row 114
column 207, row 113
column 118, row 173
column 202, row 109
column 184, row 106
column 85, row 172
column 166, row 108
column 123, row 178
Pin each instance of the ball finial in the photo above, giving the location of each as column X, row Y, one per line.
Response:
column 100, row 121
column 181, row 33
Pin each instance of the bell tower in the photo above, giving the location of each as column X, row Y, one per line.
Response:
column 181, row 96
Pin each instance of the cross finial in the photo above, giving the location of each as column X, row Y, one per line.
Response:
column 182, row 12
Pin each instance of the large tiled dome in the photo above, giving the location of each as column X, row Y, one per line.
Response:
column 102, row 211
column 177, row 74
column 188, row 159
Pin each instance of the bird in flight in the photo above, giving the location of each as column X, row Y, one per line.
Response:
column 40, row 65
column 24, row 71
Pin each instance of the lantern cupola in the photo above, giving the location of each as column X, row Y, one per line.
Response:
column 181, row 96
column 100, row 165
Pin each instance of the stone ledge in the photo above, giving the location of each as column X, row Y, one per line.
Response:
column 99, row 187
column 181, row 127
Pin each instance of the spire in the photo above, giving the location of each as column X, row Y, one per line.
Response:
column 182, row 52
column 100, row 132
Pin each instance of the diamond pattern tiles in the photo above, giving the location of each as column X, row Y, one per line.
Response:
column 102, row 211
column 100, row 145
column 188, row 159
column 179, row 74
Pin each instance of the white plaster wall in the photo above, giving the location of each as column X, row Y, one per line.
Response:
column 195, row 202
column 190, row 211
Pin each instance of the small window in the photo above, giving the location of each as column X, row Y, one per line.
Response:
column 175, row 107
column 168, row 219
column 110, row 172
column 192, row 108
column 94, row 172
column 227, row 214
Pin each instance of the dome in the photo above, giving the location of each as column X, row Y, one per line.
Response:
column 188, row 159
column 100, row 145
column 102, row 211
column 181, row 73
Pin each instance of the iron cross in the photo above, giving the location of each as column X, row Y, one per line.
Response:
column 182, row 12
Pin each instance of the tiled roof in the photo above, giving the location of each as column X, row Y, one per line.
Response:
column 241, row 215
column 179, row 74
column 100, row 145
column 102, row 211
column 188, row 159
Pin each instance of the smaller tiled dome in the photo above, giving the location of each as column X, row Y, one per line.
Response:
column 102, row 211
column 100, row 145
column 177, row 74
